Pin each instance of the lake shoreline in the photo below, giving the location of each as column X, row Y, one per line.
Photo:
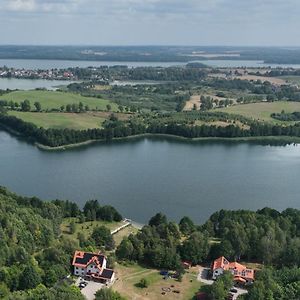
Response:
column 264, row 140
column 279, row 140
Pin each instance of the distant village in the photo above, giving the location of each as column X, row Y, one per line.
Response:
column 51, row 74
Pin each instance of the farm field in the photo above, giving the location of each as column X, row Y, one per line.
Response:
column 53, row 99
column 78, row 121
column 291, row 79
column 130, row 275
column 262, row 111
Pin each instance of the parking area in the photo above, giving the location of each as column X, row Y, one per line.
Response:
column 88, row 288
column 203, row 277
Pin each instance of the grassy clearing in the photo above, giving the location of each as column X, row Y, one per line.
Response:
column 118, row 237
column 53, row 99
column 60, row 120
column 86, row 228
column 130, row 275
column 222, row 124
column 262, row 111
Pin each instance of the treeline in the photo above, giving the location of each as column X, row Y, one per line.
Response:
column 265, row 236
column 158, row 245
column 270, row 92
column 119, row 129
column 107, row 74
column 167, row 74
column 272, row 284
column 283, row 116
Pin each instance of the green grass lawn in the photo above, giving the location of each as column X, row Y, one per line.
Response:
column 262, row 111
column 86, row 228
column 53, row 99
column 60, row 120
column 130, row 275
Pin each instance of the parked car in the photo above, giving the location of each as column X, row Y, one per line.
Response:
column 233, row 290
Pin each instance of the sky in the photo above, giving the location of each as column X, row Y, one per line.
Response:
column 150, row 22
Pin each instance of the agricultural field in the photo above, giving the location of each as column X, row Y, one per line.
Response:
column 262, row 111
column 291, row 79
column 78, row 121
column 54, row 99
column 130, row 275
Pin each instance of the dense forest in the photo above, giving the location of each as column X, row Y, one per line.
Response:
column 36, row 257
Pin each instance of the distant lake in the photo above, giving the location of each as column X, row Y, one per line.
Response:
column 61, row 64
column 29, row 84
column 144, row 176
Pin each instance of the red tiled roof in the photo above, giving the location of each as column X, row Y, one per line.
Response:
column 237, row 269
column 220, row 262
column 83, row 259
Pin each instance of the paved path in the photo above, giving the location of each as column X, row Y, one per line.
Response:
column 203, row 274
column 240, row 292
column 126, row 224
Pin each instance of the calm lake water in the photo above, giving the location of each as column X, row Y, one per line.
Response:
column 61, row 64
column 29, row 84
column 141, row 177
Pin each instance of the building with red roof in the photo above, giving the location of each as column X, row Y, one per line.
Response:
column 241, row 273
column 93, row 266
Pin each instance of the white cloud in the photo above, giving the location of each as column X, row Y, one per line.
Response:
column 151, row 21
column 21, row 5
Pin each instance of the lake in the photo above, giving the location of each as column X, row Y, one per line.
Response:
column 29, row 84
column 62, row 64
column 143, row 176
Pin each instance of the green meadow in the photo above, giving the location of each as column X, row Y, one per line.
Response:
column 54, row 99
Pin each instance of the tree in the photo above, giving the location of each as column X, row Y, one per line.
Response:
column 217, row 291
column 143, row 283
column 80, row 106
column 30, row 278
column 25, row 105
column 38, row 106
column 125, row 250
column 4, row 291
column 158, row 219
column 72, row 227
column 220, row 288
column 68, row 108
column 195, row 249
column 108, row 107
column 102, row 237
column 121, row 108
column 108, row 294
column 186, row 226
